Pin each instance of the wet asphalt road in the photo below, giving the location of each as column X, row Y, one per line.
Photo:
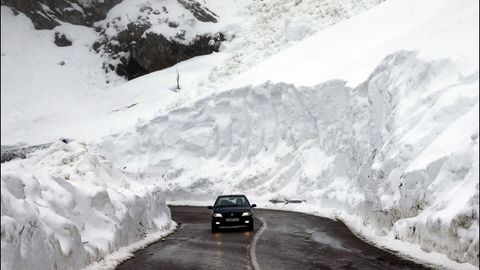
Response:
column 281, row 240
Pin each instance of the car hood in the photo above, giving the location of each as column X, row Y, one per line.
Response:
column 233, row 209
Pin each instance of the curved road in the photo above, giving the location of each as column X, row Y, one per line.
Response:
column 281, row 240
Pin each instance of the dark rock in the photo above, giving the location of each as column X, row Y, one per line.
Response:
column 10, row 155
column 172, row 24
column 41, row 19
column 152, row 52
column 124, row 42
column 15, row 12
column 96, row 46
column 199, row 11
column 19, row 152
column 45, row 13
column 130, row 69
column 61, row 40
column 155, row 52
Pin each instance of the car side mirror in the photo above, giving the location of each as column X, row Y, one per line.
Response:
column 210, row 207
column 254, row 205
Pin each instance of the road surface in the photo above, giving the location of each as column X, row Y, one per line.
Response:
column 281, row 240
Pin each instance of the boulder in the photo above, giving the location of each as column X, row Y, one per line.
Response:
column 61, row 40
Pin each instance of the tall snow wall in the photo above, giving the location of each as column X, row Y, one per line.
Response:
column 395, row 151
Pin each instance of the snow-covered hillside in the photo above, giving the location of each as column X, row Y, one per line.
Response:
column 367, row 110
column 64, row 83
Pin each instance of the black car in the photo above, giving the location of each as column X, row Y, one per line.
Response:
column 232, row 210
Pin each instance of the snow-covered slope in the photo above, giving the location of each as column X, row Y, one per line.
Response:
column 63, row 83
column 352, row 49
column 44, row 86
column 373, row 120
column 50, row 92
column 276, row 25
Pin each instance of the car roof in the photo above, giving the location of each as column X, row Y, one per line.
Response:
column 232, row 195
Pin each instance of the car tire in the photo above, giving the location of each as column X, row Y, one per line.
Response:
column 250, row 227
column 214, row 229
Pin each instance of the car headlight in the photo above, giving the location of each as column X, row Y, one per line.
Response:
column 217, row 215
column 246, row 214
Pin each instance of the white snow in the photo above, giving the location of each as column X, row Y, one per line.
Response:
column 67, row 207
column 351, row 50
column 159, row 14
column 367, row 111
column 343, row 149
column 270, row 26
column 41, row 97
column 43, row 84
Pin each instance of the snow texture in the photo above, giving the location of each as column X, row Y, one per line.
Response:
column 366, row 110
column 66, row 207
column 270, row 26
column 168, row 18
column 377, row 151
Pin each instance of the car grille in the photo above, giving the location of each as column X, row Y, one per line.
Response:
column 232, row 215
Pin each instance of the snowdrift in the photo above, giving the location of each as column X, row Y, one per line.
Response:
column 396, row 150
column 66, row 207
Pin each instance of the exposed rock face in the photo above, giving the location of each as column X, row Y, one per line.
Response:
column 46, row 13
column 155, row 52
column 135, row 50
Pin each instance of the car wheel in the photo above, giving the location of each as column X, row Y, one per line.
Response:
column 250, row 227
column 214, row 229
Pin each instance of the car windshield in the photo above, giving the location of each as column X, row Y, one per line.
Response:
column 231, row 201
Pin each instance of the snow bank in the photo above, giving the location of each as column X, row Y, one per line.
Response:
column 65, row 207
column 377, row 151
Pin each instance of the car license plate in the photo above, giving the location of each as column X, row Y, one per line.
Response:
column 232, row 219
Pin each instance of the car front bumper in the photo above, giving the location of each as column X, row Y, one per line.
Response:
column 227, row 222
